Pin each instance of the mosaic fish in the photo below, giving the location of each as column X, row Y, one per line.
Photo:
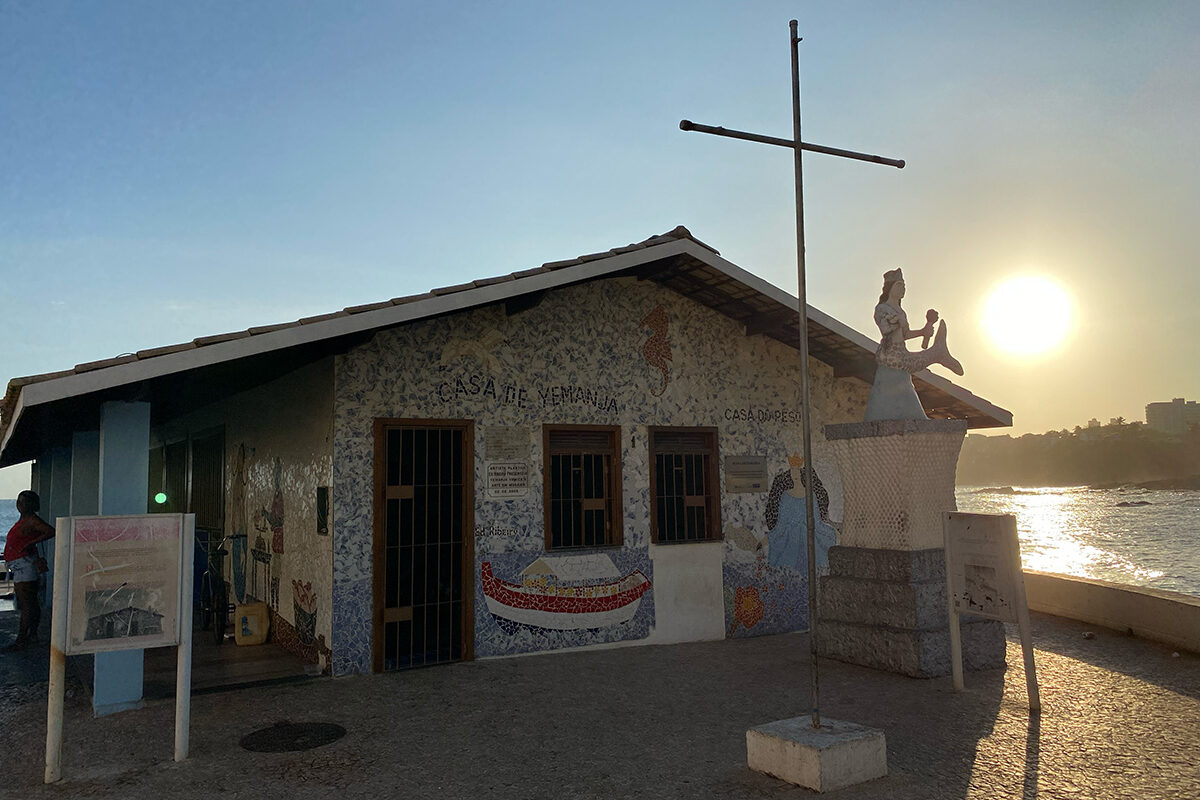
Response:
column 657, row 349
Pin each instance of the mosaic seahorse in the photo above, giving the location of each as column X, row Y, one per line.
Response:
column 657, row 349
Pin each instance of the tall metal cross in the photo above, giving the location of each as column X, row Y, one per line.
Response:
column 798, row 146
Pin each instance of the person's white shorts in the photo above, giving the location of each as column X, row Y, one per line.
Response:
column 23, row 569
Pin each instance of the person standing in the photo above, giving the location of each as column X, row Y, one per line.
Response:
column 21, row 555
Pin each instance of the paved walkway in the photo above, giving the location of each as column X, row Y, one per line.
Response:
column 1121, row 719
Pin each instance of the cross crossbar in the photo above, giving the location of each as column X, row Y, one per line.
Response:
column 688, row 125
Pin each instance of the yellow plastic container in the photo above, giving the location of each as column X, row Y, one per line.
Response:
column 251, row 623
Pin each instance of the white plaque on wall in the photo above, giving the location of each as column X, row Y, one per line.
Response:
column 745, row 474
column 506, row 443
column 506, row 479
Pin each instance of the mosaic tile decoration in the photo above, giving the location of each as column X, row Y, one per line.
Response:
column 285, row 635
column 278, row 450
column 521, row 614
column 554, row 364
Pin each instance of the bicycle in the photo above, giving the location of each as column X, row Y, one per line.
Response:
column 214, row 591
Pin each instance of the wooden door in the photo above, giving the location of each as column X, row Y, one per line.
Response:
column 424, row 537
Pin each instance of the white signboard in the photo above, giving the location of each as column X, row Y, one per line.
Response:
column 745, row 474
column 984, row 578
column 122, row 583
column 979, row 564
column 506, row 443
column 507, row 479
column 125, row 576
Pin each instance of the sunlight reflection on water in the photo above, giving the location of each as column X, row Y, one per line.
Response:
column 1082, row 531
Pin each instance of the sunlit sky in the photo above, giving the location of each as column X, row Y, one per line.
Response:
column 172, row 170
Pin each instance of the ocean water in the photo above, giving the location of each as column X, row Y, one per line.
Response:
column 8, row 517
column 1152, row 540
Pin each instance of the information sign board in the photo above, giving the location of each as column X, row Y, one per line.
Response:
column 125, row 575
column 122, row 583
column 979, row 562
column 506, row 443
column 507, row 479
column 745, row 474
column 984, row 578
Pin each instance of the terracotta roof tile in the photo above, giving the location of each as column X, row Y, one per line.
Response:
column 410, row 298
column 557, row 264
column 322, row 317
column 368, row 307
column 458, row 287
column 105, row 362
column 261, row 329
column 165, row 350
column 205, row 341
column 492, row 281
column 45, row 376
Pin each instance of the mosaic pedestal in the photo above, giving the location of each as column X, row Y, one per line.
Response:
column 886, row 609
column 883, row 603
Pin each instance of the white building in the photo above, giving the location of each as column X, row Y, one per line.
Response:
column 590, row 451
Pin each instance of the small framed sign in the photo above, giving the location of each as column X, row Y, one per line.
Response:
column 507, row 479
column 122, row 583
column 506, row 443
column 125, row 581
column 984, row 578
column 745, row 474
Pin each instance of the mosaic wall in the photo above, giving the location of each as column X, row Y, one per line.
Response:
column 278, row 451
column 613, row 352
column 526, row 603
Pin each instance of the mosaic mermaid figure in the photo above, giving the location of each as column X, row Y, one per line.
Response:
column 892, row 394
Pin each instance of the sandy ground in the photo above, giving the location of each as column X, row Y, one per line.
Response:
column 1121, row 719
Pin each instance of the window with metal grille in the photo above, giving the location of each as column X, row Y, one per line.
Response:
column 582, row 465
column 683, row 485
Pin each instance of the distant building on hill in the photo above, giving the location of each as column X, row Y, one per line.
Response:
column 1093, row 423
column 1174, row 417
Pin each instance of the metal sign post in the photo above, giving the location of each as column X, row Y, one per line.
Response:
column 798, row 146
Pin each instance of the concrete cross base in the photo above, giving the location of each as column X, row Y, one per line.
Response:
column 836, row 755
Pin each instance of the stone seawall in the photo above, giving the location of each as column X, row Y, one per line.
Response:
column 1168, row 617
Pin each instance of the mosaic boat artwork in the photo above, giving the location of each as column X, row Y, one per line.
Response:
column 564, row 595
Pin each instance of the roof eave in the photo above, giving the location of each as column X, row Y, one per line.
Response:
column 106, row 375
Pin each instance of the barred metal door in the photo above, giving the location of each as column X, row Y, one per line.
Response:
column 422, row 544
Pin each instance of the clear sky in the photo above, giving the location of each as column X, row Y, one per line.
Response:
column 172, row 170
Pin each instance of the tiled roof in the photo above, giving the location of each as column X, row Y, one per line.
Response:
column 686, row 268
column 8, row 404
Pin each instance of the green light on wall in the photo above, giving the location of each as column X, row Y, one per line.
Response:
column 160, row 498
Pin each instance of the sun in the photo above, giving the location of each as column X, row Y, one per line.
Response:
column 1027, row 315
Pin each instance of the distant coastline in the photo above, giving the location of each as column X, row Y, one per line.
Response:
column 1170, row 484
column 1162, row 484
column 1117, row 456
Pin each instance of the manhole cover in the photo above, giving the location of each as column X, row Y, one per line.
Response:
column 283, row 737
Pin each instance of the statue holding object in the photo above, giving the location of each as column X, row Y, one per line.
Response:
column 892, row 393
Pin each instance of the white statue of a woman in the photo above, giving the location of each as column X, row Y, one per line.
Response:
column 892, row 393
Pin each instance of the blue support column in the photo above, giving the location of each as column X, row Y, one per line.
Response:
column 85, row 473
column 56, row 502
column 124, row 448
